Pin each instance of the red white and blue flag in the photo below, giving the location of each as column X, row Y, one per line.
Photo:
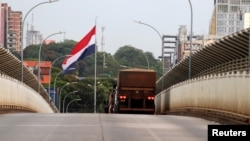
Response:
column 85, row 47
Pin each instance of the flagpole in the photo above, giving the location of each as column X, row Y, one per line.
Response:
column 95, row 68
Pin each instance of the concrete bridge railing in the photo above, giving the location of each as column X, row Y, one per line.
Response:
column 18, row 97
column 224, row 94
column 11, row 85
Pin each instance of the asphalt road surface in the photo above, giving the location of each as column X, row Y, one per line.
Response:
column 101, row 127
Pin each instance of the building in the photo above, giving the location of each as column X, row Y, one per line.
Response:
column 229, row 16
column 10, row 28
column 33, row 37
column 46, row 42
column 44, row 68
column 246, row 20
column 14, row 31
column 198, row 42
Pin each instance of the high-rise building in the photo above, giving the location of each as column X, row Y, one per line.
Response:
column 246, row 19
column 33, row 37
column 229, row 16
column 14, row 33
column 12, row 28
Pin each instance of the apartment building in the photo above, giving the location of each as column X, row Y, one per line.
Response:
column 10, row 28
column 229, row 16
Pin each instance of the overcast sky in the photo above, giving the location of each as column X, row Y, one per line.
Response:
column 77, row 17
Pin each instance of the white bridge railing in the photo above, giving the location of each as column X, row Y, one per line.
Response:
column 16, row 96
column 228, row 93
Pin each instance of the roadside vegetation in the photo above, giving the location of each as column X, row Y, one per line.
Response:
column 108, row 66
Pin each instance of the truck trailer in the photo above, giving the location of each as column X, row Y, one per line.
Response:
column 135, row 91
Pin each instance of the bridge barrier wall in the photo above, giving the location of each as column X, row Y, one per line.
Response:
column 227, row 92
column 14, row 94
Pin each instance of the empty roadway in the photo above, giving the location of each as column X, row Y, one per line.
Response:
column 101, row 127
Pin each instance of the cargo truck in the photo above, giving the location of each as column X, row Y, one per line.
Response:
column 135, row 91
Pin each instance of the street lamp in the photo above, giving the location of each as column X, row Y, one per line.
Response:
column 147, row 59
column 51, row 68
column 123, row 66
column 39, row 58
column 94, row 87
column 56, row 78
column 50, row 1
column 59, row 99
column 191, row 36
column 66, row 97
column 71, row 102
column 140, row 22
column 59, row 74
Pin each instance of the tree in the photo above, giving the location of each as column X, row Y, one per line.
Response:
column 106, row 74
column 129, row 56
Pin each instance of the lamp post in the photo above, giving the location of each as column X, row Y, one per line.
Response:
column 39, row 58
column 191, row 36
column 59, row 96
column 158, row 33
column 95, row 89
column 147, row 59
column 50, row 1
column 50, row 71
column 71, row 102
column 56, row 78
column 123, row 66
column 93, row 86
column 58, row 75
column 66, row 97
column 59, row 99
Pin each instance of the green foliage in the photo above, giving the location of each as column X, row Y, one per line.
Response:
column 107, row 69
column 85, row 92
column 130, row 57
